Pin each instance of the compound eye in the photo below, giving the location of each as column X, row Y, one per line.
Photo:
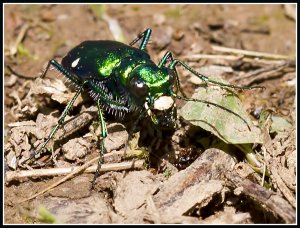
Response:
column 138, row 87
column 172, row 76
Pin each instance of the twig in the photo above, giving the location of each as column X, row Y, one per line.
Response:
column 20, row 174
column 12, row 71
column 264, row 168
column 262, row 61
column 264, row 76
column 21, row 124
column 13, row 50
column 277, row 67
column 249, row 53
column 265, row 72
column 196, row 57
column 75, row 170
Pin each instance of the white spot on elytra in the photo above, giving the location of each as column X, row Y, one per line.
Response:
column 75, row 62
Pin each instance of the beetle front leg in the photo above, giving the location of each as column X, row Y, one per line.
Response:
column 143, row 35
column 206, row 79
column 168, row 57
column 103, row 135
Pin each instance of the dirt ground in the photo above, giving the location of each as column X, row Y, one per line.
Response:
column 184, row 176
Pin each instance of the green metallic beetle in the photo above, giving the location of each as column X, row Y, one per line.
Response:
column 125, row 82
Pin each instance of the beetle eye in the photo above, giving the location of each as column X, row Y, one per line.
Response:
column 138, row 87
column 172, row 76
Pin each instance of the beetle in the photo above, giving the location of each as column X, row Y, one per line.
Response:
column 124, row 81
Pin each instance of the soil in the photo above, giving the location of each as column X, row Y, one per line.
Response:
column 184, row 180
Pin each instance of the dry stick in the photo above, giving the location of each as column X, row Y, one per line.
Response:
column 264, row 73
column 262, row 70
column 249, row 53
column 261, row 61
column 264, row 76
column 264, row 168
column 18, row 175
column 76, row 170
column 22, row 124
column 197, row 57
column 13, row 50
column 276, row 65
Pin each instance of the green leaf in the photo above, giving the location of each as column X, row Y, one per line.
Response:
column 275, row 123
column 226, row 118
column 46, row 216
column 279, row 124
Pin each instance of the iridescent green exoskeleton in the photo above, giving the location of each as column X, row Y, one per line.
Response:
column 124, row 81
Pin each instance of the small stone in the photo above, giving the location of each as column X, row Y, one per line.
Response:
column 47, row 16
column 178, row 35
column 11, row 160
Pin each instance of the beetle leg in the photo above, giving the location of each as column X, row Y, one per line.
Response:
column 47, row 68
column 143, row 35
column 59, row 123
column 169, row 57
column 103, row 135
column 206, row 79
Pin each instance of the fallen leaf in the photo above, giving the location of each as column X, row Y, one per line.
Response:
column 222, row 114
